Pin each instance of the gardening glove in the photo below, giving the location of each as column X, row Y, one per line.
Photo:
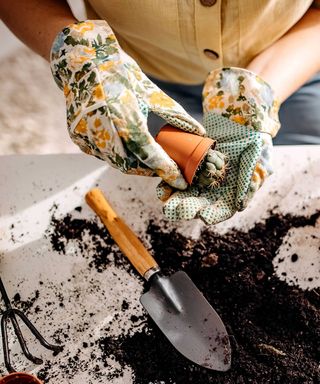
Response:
column 241, row 114
column 108, row 98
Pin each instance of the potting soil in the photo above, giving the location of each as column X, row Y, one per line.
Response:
column 274, row 326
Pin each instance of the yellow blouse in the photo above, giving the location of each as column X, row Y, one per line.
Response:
column 182, row 40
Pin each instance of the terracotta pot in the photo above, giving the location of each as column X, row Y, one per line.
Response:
column 186, row 149
column 20, row 378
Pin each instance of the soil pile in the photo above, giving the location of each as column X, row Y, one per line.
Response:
column 274, row 327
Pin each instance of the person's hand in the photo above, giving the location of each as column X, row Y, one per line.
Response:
column 240, row 113
column 108, row 98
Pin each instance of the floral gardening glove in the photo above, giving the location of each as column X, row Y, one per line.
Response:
column 108, row 98
column 240, row 113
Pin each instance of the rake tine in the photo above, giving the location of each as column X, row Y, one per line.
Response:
column 22, row 342
column 10, row 314
column 4, row 295
column 37, row 334
column 5, row 343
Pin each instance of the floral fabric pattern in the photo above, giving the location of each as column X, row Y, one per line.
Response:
column 245, row 98
column 108, row 99
column 242, row 97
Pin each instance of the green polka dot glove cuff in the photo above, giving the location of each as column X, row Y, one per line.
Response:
column 108, row 98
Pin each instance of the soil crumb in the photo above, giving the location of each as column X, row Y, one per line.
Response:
column 274, row 327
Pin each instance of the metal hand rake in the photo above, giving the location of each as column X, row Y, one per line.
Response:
column 11, row 314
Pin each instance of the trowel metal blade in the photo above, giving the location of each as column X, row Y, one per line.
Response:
column 188, row 320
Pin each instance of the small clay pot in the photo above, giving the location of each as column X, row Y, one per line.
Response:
column 186, row 149
column 20, row 378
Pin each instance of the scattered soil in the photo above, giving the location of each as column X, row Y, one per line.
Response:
column 274, row 327
column 90, row 237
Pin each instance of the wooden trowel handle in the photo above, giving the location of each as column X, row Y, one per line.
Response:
column 127, row 241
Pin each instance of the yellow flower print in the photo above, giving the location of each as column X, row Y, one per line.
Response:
column 112, row 37
column 238, row 119
column 81, row 127
column 260, row 80
column 106, row 66
column 161, row 99
column 97, row 123
column 259, row 174
column 76, row 61
column 103, row 135
column 86, row 56
column 66, row 90
column 89, row 51
column 137, row 74
column 78, row 57
column 101, row 138
column 215, row 102
column 100, row 144
column 83, row 27
column 98, row 92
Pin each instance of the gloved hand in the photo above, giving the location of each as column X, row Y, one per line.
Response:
column 108, row 98
column 241, row 114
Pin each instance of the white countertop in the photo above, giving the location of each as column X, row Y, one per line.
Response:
column 31, row 185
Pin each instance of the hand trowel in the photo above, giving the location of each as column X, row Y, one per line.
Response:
column 175, row 304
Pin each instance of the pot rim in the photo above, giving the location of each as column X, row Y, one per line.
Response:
column 19, row 375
